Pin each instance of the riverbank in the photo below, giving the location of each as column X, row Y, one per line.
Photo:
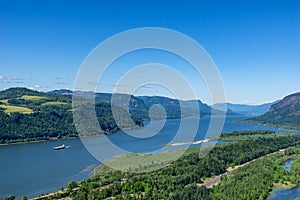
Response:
column 28, row 142
column 252, row 122
column 38, row 141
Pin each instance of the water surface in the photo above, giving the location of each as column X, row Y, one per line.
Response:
column 287, row 165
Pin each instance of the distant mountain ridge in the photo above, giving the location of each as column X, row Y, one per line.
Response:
column 243, row 109
column 61, row 92
column 284, row 114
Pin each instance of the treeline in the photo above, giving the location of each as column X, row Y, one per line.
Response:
column 50, row 121
column 179, row 180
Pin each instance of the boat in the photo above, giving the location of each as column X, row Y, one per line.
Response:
column 59, row 147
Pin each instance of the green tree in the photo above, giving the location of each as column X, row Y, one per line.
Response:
column 72, row 185
column 24, row 198
column 10, row 198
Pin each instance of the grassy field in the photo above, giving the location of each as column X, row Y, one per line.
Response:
column 4, row 101
column 54, row 103
column 32, row 98
column 136, row 162
column 12, row 109
column 284, row 185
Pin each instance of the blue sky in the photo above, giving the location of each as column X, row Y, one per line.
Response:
column 255, row 44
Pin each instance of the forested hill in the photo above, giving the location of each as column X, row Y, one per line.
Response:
column 27, row 115
column 284, row 114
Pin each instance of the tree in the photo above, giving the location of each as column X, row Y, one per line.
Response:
column 10, row 198
column 72, row 185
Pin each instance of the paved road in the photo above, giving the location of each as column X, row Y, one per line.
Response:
column 212, row 181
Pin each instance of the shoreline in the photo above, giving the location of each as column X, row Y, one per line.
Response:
column 248, row 121
column 16, row 143
column 37, row 141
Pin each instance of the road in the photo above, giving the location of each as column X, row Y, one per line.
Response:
column 212, row 182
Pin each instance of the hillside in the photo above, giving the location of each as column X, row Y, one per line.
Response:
column 137, row 108
column 171, row 106
column 284, row 114
column 179, row 108
column 27, row 115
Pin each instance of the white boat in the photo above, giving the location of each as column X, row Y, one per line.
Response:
column 59, row 147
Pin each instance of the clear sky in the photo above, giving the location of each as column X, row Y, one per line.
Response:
column 255, row 44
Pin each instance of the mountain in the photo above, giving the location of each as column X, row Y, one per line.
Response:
column 284, row 114
column 243, row 109
column 178, row 108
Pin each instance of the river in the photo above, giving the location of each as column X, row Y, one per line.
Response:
column 35, row 168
